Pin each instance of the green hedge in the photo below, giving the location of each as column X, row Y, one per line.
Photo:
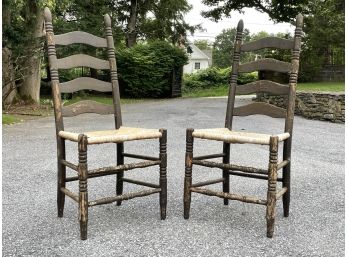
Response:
column 214, row 77
column 145, row 70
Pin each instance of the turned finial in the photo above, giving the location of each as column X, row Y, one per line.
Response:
column 47, row 14
column 299, row 20
column 107, row 20
column 240, row 25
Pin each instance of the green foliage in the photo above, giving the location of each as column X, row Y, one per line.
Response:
column 145, row 69
column 223, row 47
column 278, row 10
column 167, row 20
column 213, row 77
column 324, row 38
column 203, row 44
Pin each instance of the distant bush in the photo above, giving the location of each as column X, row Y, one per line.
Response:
column 145, row 70
column 214, row 77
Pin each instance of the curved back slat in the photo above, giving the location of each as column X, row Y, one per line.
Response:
column 263, row 86
column 260, row 108
column 85, row 83
column 82, row 60
column 79, row 37
column 268, row 42
column 87, row 106
column 269, row 64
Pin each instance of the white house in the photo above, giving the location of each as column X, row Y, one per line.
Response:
column 198, row 60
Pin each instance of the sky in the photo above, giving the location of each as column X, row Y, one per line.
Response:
column 254, row 21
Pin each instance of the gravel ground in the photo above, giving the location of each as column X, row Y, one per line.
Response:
column 315, row 227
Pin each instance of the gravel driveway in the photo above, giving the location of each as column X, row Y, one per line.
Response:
column 315, row 227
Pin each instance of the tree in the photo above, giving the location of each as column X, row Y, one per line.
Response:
column 223, row 47
column 324, row 37
column 22, row 45
column 203, row 44
column 167, row 21
column 278, row 10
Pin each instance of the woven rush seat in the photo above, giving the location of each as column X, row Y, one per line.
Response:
column 239, row 137
column 113, row 136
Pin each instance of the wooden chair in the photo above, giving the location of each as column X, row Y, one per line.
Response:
column 118, row 136
column 229, row 136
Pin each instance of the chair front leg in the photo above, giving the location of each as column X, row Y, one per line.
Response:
column 163, row 173
column 119, row 178
column 188, row 172
column 61, row 176
column 272, row 186
column 225, row 172
column 83, row 194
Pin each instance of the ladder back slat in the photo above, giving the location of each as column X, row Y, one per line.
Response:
column 263, row 86
column 79, row 37
column 86, row 106
column 82, row 60
column 268, row 42
column 85, row 83
column 260, row 108
column 269, row 64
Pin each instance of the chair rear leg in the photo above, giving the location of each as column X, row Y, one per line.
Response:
column 286, row 196
column 225, row 173
column 188, row 173
column 163, row 174
column 83, row 194
column 119, row 178
column 272, row 186
column 286, row 177
column 60, row 176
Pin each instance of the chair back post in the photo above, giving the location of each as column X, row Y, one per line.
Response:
column 295, row 59
column 52, row 58
column 234, row 75
column 113, row 71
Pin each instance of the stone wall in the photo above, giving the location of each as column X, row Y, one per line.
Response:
column 318, row 106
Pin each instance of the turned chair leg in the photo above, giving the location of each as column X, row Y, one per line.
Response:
column 188, row 173
column 225, row 173
column 83, row 194
column 119, row 178
column 286, row 196
column 61, row 176
column 286, row 177
column 272, row 186
column 163, row 174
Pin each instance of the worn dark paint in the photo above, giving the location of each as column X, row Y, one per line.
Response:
column 271, row 174
column 89, row 106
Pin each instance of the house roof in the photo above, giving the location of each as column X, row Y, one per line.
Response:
column 197, row 53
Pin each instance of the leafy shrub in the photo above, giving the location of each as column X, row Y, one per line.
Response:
column 214, row 77
column 145, row 70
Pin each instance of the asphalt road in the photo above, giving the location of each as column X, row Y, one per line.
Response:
column 30, row 226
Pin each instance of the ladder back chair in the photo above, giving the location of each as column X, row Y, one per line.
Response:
column 229, row 136
column 117, row 136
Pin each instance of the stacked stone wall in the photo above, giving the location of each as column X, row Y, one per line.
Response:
column 318, row 106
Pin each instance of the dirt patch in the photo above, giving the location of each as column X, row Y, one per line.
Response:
column 28, row 111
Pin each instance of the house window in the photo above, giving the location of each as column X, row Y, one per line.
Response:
column 197, row 65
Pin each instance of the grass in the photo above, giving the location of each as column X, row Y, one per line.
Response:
column 103, row 100
column 9, row 119
column 312, row 87
column 321, row 87
column 221, row 90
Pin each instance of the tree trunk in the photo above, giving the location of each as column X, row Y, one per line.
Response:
column 8, row 73
column 30, row 88
column 132, row 34
column 8, row 78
